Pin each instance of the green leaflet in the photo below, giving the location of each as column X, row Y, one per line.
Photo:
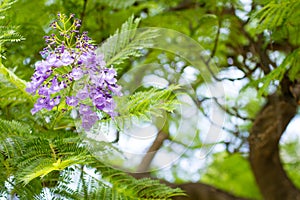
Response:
column 7, row 32
column 40, row 160
column 137, row 189
column 290, row 64
column 16, row 81
column 126, row 43
column 145, row 104
column 6, row 4
column 275, row 14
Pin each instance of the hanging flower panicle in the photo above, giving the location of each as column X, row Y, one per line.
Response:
column 68, row 58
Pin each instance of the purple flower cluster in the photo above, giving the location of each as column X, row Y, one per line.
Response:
column 64, row 64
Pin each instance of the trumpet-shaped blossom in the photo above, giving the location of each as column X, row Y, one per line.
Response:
column 72, row 101
column 65, row 64
column 77, row 74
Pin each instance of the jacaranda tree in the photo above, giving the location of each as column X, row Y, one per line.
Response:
column 136, row 99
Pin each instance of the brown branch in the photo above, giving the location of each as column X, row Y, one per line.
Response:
column 156, row 145
column 265, row 134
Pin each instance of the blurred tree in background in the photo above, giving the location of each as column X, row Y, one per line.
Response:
column 251, row 153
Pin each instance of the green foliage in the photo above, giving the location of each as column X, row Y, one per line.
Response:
column 14, row 80
column 145, row 104
column 8, row 128
column 11, row 146
column 290, row 154
column 126, row 42
column 41, row 161
column 234, row 170
column 277, row 13
column 118, row 4
column 5, row 5
column 140, row 189
column 290, row 64
column 7, row 33
column 44, row 156
column 51, row 161
column 123, row 187
column 34, row 156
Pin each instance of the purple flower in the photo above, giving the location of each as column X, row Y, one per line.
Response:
column 40, row 104
column 83, row 94
column 116, row 89
column 35, row 109
column 84, row 109
column 88, row 117
column 42, row 67
column 53, row 61
column 77, row 74
column 53, row 102
column 72, row 101
column 109, row 107
column 88, row 120
column 82, row 58
column 88, row 59
column 66, row 58
column 100, row 60
column 110, row 76
column 44, row 91
column 99, row 101
column 32, row 86
column 97, row 79
column 56, row 86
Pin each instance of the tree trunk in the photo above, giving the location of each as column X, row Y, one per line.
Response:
column 264, row 138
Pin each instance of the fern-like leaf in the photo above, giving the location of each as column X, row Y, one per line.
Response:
column 8, row 34
column 136, row 189
column 126, row 43
column 44, row 156
column 275, row 14
column 11, row 134
column 13, row 128
column 290, row 64
column 145, row 104
column 10, row 95
column 6, row 4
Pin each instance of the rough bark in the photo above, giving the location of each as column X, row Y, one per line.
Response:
column 265, row 134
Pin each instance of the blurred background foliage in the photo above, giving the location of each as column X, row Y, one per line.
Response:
column 226, row 29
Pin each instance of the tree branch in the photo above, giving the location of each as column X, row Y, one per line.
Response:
column 156, row 145
column 265, row 134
